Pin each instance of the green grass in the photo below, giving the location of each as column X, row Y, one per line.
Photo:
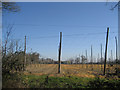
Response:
column 104, row 83
column 33, row 81
column 55, row 82
column 68, row 82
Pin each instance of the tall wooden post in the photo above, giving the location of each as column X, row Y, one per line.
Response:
column 98, row 61
column 101, row 57
column 86, row 59
column 91, row 58
column 79, row 61
column 116, row 52
column 59, row 56
column 106, row 50
column 119, row 30
column 25, row 54
column 16, row 46
column 111, row 56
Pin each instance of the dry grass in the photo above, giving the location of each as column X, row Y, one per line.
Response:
column 68, row 70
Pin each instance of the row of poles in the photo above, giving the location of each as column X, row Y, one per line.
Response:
column 106, row 47
column 59, row 54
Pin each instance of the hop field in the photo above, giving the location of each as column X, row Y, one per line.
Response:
column 71, row 76
column 80, row 70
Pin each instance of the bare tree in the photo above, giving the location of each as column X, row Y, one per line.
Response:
column 12, row 58
column 9, row 6
column 70, row 61
column 84, row 59
column 77, row 60
column 6, row 39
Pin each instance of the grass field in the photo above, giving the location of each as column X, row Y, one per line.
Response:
column 68, row 70
column 45, row 81
column 71, row 76
column 32, row 81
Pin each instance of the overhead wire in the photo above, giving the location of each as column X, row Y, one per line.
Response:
column 66, row 25
column 71, row 35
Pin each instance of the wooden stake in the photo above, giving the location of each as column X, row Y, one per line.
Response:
column 59, row 56
column 106, row 51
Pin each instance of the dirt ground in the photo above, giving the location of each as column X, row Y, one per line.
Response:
column 85, row 70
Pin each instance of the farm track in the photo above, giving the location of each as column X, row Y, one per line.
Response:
column 51, row 70
column 45, row 69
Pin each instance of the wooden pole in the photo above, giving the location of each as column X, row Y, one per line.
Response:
column 86, row 59
column 98, row 61
column 25, row 54
column 16, row 46
column 91, row 59
column 82, row 60
column 111, row 56
column 101, row 57
column 116, row 52
column 59, row 56
column 119, row 30
column 106, row 50
column 79, row 61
